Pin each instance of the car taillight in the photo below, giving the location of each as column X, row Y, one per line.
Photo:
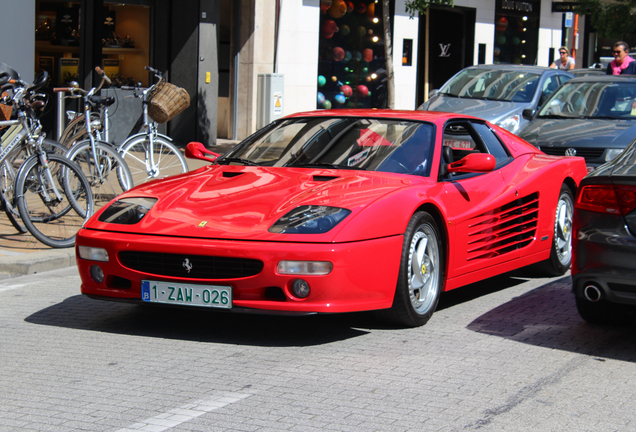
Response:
column 620, row 199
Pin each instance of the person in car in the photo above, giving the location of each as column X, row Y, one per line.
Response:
column 622, row 64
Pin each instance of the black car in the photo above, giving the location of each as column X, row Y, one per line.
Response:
column 592, row 116
column 604, row 242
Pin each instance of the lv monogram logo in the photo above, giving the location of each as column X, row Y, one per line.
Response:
column 444, row 48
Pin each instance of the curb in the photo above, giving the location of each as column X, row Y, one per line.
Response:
column 36, row 262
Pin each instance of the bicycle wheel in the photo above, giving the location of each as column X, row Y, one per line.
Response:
column 54, row 201
column 167, row 157
column 108, row 175
column 9, row 173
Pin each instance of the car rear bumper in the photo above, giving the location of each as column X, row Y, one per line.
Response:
column 604, row 256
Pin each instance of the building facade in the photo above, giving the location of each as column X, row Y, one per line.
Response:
column 327, row 53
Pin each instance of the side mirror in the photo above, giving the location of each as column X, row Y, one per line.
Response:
column 528, row 113
column 196, row 150
column 432, row 93
column 473, row 163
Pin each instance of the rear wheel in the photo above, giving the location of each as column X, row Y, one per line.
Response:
column 421, row 276
column 561, row 251
column 604, row 312
column 108, row 175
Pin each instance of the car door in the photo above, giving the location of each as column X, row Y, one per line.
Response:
column 487, row 219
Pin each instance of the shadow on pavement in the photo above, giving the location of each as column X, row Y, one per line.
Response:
column 82, row 313
column 547, row 317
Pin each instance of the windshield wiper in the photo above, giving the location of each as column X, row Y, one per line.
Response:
column 328, row 165
column 237, row 159
column 601, row 117
column 556, row 116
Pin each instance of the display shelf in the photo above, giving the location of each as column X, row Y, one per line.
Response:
column 48, row 47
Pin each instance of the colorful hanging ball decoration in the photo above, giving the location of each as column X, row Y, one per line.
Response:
column 324, row 5
column 362, row 31
column 361, row 8
column 363, row 91
column 346, row 90
column 340, row 98
column 501, row 24
column 321, row 80
column 321, row 98
column 371, row 10
column 367, row 55
column 338, row 9
column 345, row 30
column 327, row 104
column 501, row 39
column 334, row 78
column 358, row 55
column 329, row 27
column 349, row 6
column 338, row 53
column 497, row 51
column 348, row 55
column 516, row 40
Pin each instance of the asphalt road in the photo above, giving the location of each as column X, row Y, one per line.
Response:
column 510, row 354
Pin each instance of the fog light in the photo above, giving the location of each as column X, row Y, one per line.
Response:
column 92, row 253
column 97, row 273
column 300, row 288
column 305, row 267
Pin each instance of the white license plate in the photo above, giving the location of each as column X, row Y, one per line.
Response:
column 187, row 294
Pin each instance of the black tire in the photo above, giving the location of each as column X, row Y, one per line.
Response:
column 9, row 174
column 422, row 272
column 561, row 249
column 604, row 312
column 168, row 159
column 116, row 177
column 51, row 220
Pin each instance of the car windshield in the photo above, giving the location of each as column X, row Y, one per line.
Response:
column 600, row 100
column 372, row 144
column 493, row 84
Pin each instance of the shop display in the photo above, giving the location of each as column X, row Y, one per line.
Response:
column 352, row 55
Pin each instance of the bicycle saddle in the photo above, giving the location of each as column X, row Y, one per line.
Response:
column 102, row 101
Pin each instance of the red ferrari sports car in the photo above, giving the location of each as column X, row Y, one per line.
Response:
column 337, row 211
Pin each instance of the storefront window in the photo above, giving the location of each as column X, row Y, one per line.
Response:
column 351, row 66
column 125, row 41
column 516, row 31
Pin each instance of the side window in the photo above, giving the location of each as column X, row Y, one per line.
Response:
column 463, row 138
column 564, row 78
column 492, row 143
column 549, row 86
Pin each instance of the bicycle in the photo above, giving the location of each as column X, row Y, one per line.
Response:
column 149, row 154
column 105, row 169
column 52, row 196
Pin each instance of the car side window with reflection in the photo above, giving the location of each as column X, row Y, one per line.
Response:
column 463, row 138
column 492, row 143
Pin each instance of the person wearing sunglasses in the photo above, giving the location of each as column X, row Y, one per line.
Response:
column 565, row 62
column 622, row 64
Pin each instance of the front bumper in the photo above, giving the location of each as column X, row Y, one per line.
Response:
column 364, row 274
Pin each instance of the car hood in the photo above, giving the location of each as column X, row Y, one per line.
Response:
column 492, row 111
column 237, row 202
column 579, row 133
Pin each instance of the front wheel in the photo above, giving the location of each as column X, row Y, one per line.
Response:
column 422, row 269
column 54, row 200
column 167, row 158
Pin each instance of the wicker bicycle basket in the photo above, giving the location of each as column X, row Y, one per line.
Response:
column 167, row 100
